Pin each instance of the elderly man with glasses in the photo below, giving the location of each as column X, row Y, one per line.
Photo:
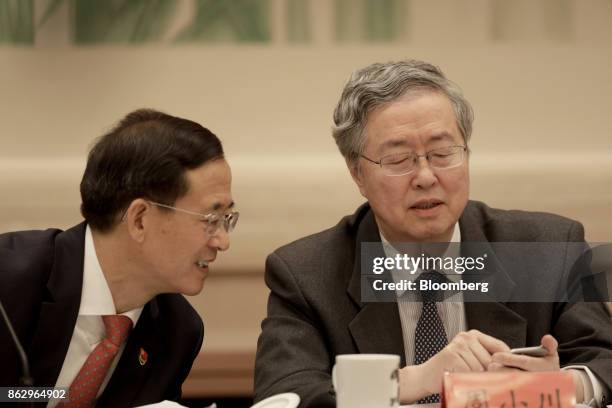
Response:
column 98, row 309
column 403, row 129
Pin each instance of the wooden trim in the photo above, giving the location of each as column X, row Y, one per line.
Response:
column 221, row 374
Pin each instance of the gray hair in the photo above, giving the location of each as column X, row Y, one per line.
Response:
column 380, row 83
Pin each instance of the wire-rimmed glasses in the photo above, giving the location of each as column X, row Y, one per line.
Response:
column 400, row 164
column 212, row 220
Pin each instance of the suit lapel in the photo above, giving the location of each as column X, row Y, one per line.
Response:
column 60, row 308
column 132, row 368
column 497, row 320
column 482, row 313
column 376, row 328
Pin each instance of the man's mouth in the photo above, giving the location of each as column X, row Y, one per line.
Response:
column 202, row 264
column 426, row 204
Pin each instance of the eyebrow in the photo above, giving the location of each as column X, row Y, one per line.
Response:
column 393, row 143
column 441, row 136
column 400, row 142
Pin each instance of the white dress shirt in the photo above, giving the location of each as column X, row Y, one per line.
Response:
column 96, row 301
column 452, row 314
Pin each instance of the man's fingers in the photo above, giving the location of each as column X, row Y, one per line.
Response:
column 457, row 364
column 476, row 348
column 471, row 360
column 527, row 363
column 550, row 344
column 480, row 352
column 514, row 360
column 495, row 367
column 490, row 343
column 483, row 356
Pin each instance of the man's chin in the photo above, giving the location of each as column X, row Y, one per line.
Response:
column 433, row 232
column 194, row 288
column 414, row 229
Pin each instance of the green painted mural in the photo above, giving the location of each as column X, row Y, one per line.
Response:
column 88, row 22
column 132, row 21
column 139, row 21
column 17, row 21
column 235, row 21
column 298, row 21
column 231, row 21
column 370, row 20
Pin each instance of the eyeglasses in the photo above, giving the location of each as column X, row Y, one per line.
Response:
column 401, row 164
column 213, row 220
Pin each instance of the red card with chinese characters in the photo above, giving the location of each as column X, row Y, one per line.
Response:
column 551, row 389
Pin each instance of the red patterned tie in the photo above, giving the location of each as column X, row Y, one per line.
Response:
column 85, row 386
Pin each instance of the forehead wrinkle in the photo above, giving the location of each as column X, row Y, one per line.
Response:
column 403, row 142
column 443, row 135
column 394, row 143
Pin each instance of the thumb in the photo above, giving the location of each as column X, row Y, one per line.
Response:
column 549, row 343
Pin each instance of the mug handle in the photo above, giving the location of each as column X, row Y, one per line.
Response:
column 394, row 401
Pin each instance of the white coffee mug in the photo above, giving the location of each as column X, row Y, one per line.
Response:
column 366, row 380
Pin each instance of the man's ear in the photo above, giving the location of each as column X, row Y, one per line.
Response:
column 137, row 217
column 357, row 175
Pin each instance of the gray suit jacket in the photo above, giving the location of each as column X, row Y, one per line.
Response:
column 315, row 312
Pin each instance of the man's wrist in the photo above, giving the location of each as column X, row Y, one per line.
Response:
column 412, row 384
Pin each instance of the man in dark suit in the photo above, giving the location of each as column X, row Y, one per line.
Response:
column 98, row 308
column 403, row 129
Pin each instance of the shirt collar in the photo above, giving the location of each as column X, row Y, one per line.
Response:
column 456, row 237
column 96, row 297
column 452, row 251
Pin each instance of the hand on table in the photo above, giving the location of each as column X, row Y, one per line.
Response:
column 469, row 351
column 504, row 361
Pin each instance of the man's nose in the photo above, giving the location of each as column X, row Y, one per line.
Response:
column 220, row 240
column 424, row 176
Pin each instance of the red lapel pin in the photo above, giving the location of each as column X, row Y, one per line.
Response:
column 143, row 357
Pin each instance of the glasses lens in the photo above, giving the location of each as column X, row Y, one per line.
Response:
column 446, row 157
column 398, row 164
column 212, row 223
column 230, row 221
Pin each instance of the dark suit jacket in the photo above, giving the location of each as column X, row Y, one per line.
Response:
column 315, row 312
column 41, row 276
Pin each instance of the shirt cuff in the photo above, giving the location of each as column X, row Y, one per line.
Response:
column 593, row 390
